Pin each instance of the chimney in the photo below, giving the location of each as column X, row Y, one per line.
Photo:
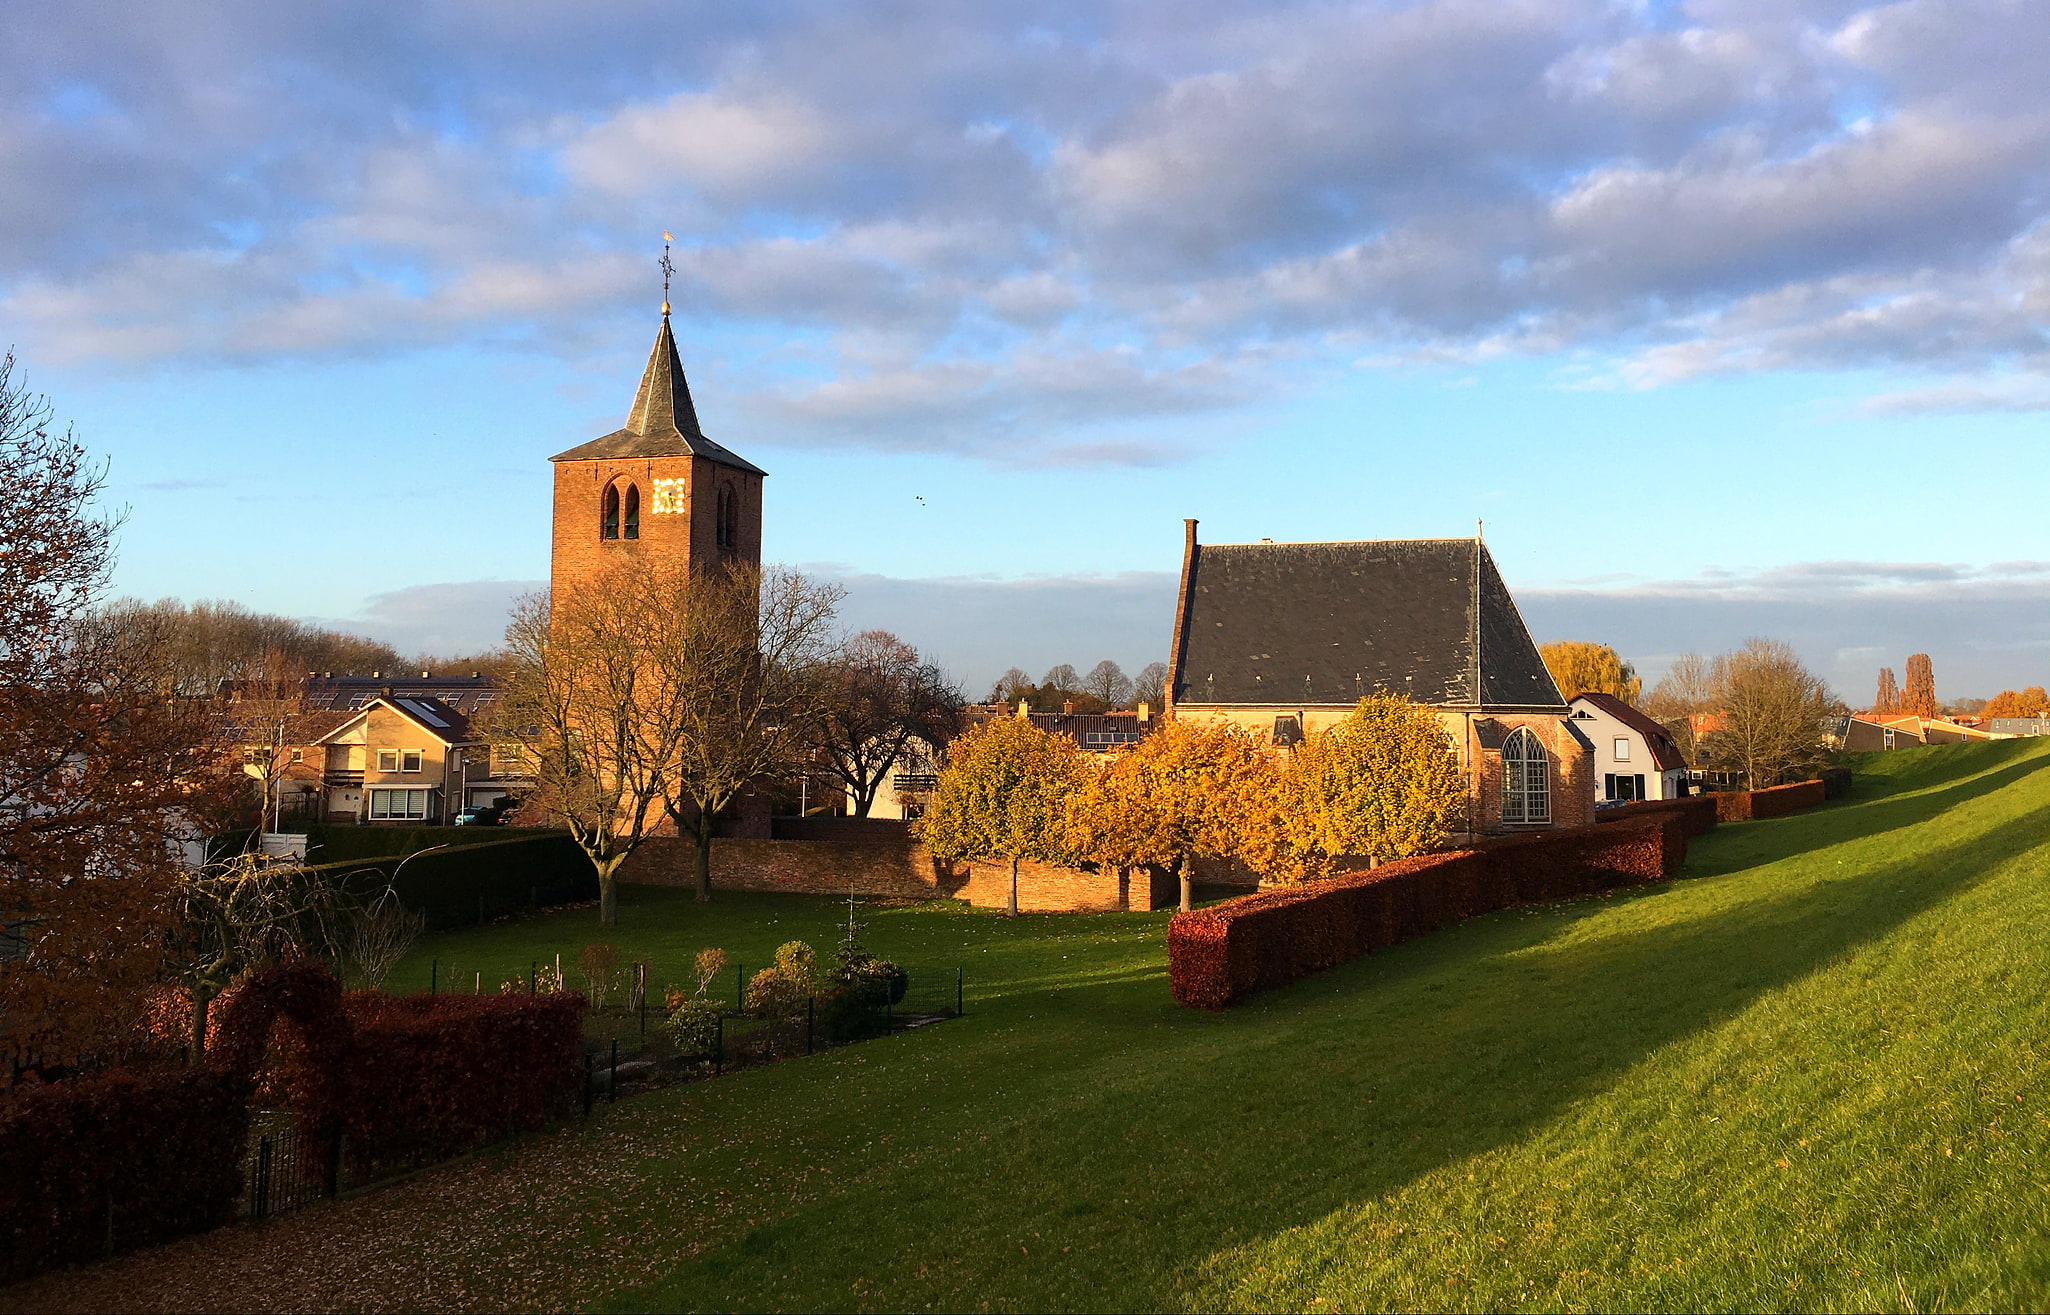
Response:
column 1024, row 708
column 423, row 675
column 377, row 675
column 1067, row 710
column 1145, row 712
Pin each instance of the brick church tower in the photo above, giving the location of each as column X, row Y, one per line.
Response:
column 657, row 486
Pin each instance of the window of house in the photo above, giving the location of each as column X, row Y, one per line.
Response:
column 728, row 525
column 1526, row 779
column 608, row 514
column 398, row 805
column 387, row 760
column 632, row 519
column 298, row 755
column 508, row 759
column 1622, row 754
column 409, row 761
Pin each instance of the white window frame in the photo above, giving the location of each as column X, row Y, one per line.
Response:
column 1622, row 749
column 413, row 756
column 387, row 760
column 1526, row 780
column 416, row 796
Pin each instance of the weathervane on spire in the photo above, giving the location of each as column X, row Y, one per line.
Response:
column 668, row 270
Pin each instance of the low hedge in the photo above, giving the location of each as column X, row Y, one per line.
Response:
column 1697, row 812
column 1221, row 954
column 472, row 883
column 431, row 1076
column 1775, row 801
column 115, row 1162
column 330, row 842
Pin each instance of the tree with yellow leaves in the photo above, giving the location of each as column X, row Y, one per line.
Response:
column 1582, row 668
column 1004, row 793
column 1190, row 790
column 2031, row 702
column 1385, row 782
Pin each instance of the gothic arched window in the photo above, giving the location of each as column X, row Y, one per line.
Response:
column 608, row 515
column 1526, row 779
column 633, row 512
column 729, row 518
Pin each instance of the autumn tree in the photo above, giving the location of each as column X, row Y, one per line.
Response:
column 1583, row 668
column 1003, row 794
column 1108, row 684
column 1150, row 685
column 2031, row 702
column 1690, row 687
column 746, row 684
column 1775, row 715
column 1384, row 782
column 244, row 912
column 102, row 773
column 1887, row 699
column 586, row 703
column 1191, row 790
column 1919, row 697
column 876, row 697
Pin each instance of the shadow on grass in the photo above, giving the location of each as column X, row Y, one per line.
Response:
column 1121, row 1157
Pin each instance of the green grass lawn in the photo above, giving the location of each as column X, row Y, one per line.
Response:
column 1809, row 1075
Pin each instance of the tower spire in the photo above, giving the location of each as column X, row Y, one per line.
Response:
column 668, row 270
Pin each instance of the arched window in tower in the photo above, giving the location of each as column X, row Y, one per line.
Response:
column 632, row 523
column 729, row 518
column 1526, row 779
column 608, row 514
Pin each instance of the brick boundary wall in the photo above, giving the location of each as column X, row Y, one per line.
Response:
column 885, row 861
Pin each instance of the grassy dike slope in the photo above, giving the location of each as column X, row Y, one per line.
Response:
column 1810, row 1077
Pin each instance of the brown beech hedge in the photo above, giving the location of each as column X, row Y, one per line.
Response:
column 433, row 1076
column 117, row 1161
column 1218, row 955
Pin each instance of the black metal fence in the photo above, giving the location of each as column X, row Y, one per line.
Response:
column 285, row 1168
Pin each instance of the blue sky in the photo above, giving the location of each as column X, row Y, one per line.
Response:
column 1726, row 317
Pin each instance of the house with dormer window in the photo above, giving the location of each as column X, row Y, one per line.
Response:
column 410, row 761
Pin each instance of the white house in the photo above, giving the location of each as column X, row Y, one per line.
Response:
column 1634, row 757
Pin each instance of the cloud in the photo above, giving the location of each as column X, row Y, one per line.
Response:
column 1004, row 229
column 438, row 619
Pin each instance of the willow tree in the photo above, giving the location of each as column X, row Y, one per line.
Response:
column 1191, row 790
column 1003, row 795
column 1583, row 668
column 1383, row 783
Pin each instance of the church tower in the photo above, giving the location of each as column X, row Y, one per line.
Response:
column 657, row 486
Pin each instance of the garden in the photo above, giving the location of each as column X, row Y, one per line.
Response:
column 1807, row 1074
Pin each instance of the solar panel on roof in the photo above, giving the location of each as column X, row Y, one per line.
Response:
column 423, row 712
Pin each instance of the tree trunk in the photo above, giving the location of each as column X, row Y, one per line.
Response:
column 1188, row 884
column 202, row 1001
column 704, row 860
column 1012, row 909
column 608, row 900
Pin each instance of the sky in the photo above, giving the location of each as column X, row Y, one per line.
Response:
column 1725, row 318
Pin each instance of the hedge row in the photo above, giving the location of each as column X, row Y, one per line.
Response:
column 335, row 842
column 108, row 1163
column 1776, row 801
column 472, row 883
column 1697, row 812
column 1220, row 954
column 433, row 1076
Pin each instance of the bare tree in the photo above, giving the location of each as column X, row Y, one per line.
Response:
column 1010, row 685
column 375, row 936
column 1060, row 679
column 1774, row 715
column 209, row 644
column 102, row 774
column 745, row 685
column 1150, row 685
column 1691, row 686
column 1108, row 683
column 590, row 699
column 875, row 699
column 245, row 912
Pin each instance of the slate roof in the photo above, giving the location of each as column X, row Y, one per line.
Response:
column 1665, row 754
column 431, row 715
column 1325, row 623
column 663, row 422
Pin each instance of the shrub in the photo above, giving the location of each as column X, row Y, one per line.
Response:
column 1219, row 954
column 434, row 1076
column 779, row 991
column 599, row 964
column 693, row 1024
column 162, row 1149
